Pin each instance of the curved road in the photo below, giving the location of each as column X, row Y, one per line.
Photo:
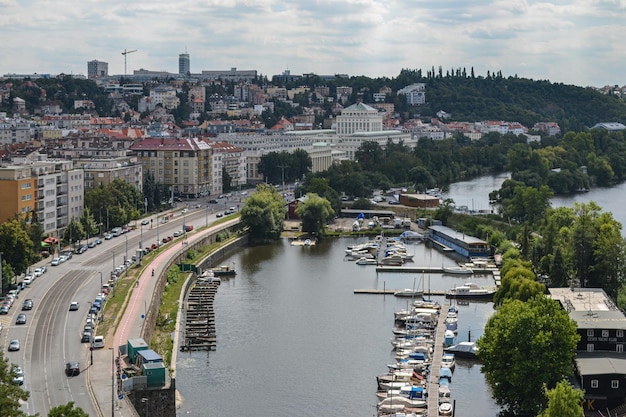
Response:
column 51, row 336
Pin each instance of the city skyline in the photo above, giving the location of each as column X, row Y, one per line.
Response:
column 575, row 42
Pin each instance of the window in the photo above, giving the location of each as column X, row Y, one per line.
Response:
column 619, row 348
column 589, row 332
column 589, row 347
column 620, row 333
column 594, row 383
column 605, row 333
column 615, row 383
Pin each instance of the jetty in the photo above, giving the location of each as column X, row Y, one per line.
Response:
column 433, row 376
column 432, row 269
column 391, row 292
column 199, row 332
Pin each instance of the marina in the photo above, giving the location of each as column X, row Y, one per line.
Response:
column 199, row 332
column 273, row 336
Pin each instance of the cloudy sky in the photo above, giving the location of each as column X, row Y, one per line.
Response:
column 577, row 42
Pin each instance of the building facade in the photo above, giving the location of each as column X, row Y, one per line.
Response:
column 359, row 117
column 97, row 69
column 184, row 64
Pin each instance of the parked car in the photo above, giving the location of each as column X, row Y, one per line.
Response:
column 213, row 201
column 4, row 309
column 219, row 214
column 55, row 261
column 81, row 249
column 86, row 338
column 14, row 345
column 145, row 222
column 98, row 241
column 21, row 319
column 98, row 342
column 108, row 236
column 37, row 272
column 28, row 304
column 393, row 202
column 92, row 244
column 28, row 279
column 74, row 306
column 72, row 369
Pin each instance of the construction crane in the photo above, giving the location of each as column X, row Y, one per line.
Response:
column 126, row 53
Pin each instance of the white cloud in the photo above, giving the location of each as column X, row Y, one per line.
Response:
column 570, row 41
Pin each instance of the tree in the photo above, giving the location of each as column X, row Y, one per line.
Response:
column 264, row 213
column 10, row 394
column 16, row 246
column 314, row 212
column 74, row 231
column 67, row 410
column 527, row 346
column 564, row 401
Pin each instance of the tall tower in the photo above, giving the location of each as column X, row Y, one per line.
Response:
column 184, row 65
column 97, row 69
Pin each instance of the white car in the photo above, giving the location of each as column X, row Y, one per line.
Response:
column 38, row 272
column 18, row 375
column 98, row 342
column 14, row 345
column 55, row 262
column 28, row 279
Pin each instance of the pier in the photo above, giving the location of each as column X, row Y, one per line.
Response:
column 391, row 292
column 435, row 270
column 433, row 376
column 199, row 333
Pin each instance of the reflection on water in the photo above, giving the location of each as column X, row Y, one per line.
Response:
column 293, row 338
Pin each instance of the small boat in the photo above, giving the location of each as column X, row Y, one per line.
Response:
column 366, row 261
column 447, row 361
column 445, row 372
column 471, row 290
column 223, row 270
column 303, row 242
column 464, row 350
column 457, row 270
column 448, row 338
column 394, row 402
column 393, row 259
column 445, row 409
column 408, row 292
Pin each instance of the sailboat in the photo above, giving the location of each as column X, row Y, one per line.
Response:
column 408, row 292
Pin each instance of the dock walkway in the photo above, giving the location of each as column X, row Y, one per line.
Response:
column 433, row 377
column 199, row 333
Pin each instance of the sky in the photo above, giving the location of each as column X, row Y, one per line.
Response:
column 578, row 42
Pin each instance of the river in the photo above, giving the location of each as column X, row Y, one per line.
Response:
column 294, row 340
column 475, row 195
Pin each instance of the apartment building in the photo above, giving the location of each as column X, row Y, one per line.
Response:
column 232, row 161
column 184, row 165
column 415, row 94
column 104, row 170
column 15, row 131
column 18, row 190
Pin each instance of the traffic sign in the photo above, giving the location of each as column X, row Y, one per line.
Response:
column 120, row 397
column 91, row 348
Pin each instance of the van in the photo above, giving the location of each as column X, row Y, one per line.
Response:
column 98, row 342
column 116, row 231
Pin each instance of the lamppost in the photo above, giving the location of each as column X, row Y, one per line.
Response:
column 113, row 252
column 126, row 254
column 146, row 400
column 100, row 280
column 113, row 371
column 141, row 237
column 158, row 231
column 91, row 338
column 207, row 216
column 107, row 219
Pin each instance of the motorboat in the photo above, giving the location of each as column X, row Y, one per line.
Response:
column 394, row 259
column 471, row 290
column 363, row 260
column 408, row 391
column 400, row 403
column 448, row 338
column 224, row 270
column 408, row 292
column 447, row 361
column 445, row 372
column 457, row 270
column 464, row 350
column 445, row 409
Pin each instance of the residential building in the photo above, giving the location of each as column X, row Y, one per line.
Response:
column 233, row 163
column 101, row 171
column 184, row 164
column 164, row 95
column 232, row 75
column 415, row 94
column 97, row 69
column 550, row 128
column 15, row 131
column 19, row 191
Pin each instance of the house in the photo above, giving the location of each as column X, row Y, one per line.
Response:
column 600, row 359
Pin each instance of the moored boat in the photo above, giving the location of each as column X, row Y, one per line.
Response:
column 448, row 361
column 363, row 260
column 457, row 270
column 223, row 270
column 464, row 350
column 470, row 290
column 408, row 292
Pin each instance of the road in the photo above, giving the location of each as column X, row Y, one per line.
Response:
column 51, row 336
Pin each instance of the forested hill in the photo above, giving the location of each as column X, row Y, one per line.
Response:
column 522, row 100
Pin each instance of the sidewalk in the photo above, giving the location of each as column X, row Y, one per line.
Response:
column 100, row 376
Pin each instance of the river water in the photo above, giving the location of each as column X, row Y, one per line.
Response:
column 294, row 340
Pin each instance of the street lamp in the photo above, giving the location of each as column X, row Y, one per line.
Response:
column 146, row 400
column 126, row 255
column 113, row 252
column 141, row 236
column 100, row 281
